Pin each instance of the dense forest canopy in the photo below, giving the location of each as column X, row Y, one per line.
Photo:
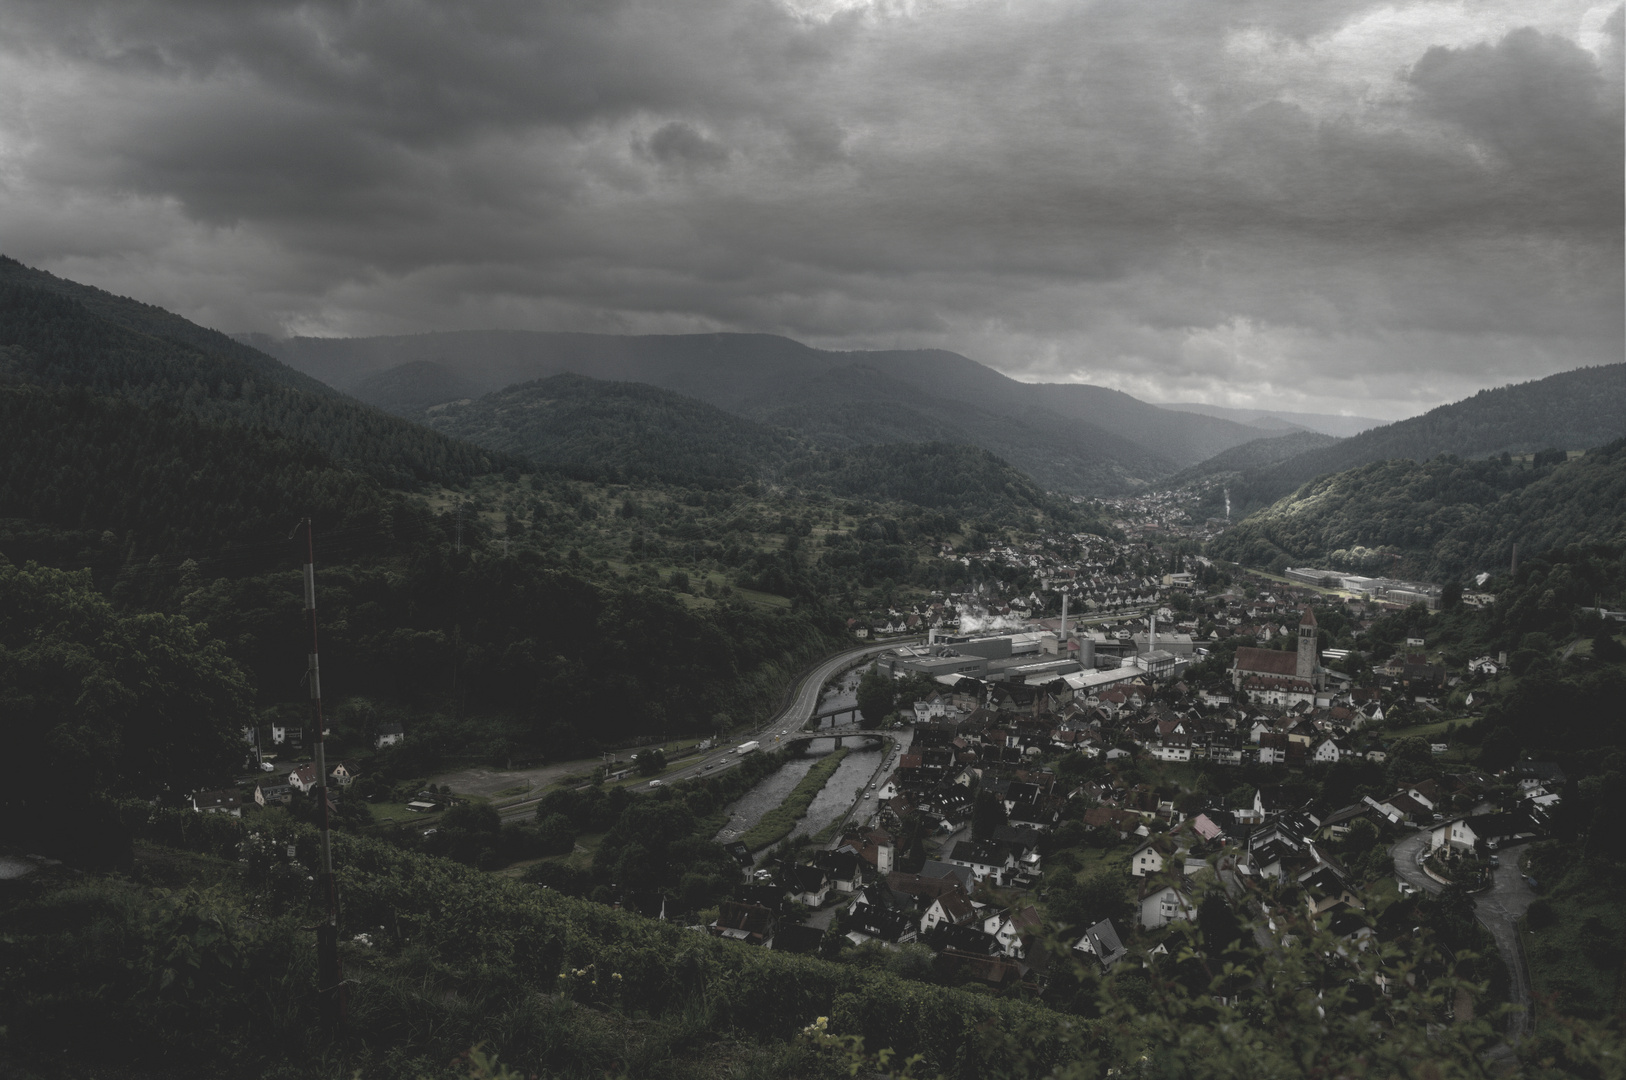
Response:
column 1442, row 519
column 1573, row 410
column 64, row 336
column 618, row 430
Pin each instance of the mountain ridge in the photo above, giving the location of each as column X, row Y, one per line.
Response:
column 1080, row 439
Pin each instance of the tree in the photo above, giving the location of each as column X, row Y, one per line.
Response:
column 556, row 835
column 99, row 702
column 874, row 696
column 987, row 815
column 650, row 762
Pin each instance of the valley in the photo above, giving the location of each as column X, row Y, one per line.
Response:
column 588, row 641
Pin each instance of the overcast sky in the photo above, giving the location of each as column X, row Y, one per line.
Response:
column 1331, row 206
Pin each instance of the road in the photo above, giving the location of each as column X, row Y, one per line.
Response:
column 789, row 719
column 1498, row 910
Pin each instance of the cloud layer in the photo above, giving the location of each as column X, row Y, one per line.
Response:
column 1344, row 206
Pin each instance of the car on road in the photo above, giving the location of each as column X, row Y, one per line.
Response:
column 654, row 783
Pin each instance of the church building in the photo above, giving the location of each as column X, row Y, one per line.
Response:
column 1271, row 676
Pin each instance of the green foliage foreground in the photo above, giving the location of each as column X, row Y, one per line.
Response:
column 215, row 977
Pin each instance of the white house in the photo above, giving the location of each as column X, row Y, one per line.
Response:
column 1161, row 906
column 1007, row 928
column 983, row 860
column 303, row 779
column 1146, row 859
column 389, row 734
column 218, row 802
column 952, row 907
column 1326, row 752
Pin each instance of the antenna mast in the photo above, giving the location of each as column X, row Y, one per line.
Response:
column 330, row 979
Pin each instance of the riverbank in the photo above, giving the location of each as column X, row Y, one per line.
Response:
column 778, row 823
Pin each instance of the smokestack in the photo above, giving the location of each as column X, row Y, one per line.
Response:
column 1063, row 638
column 1151, row 639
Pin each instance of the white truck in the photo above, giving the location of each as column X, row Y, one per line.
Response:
column 746, row 748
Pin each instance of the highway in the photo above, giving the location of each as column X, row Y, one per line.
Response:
column 790, row 719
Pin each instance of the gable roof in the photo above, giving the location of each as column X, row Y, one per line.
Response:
column 1102, row 940
column 1267, row 661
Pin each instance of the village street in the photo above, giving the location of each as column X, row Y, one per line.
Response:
column 1498, row 909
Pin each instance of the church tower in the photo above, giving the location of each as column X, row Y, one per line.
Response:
column 1307, row 647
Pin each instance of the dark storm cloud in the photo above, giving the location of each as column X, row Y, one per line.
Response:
column 1345, row 204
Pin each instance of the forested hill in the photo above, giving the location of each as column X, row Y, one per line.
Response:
column 1079, row 439
column 617, row 431
column 623, row 431
column 1572, row 410
column 1259, row 454
column 59, row 334
column 1444, row 519
column 93, row 481
column 938, row 476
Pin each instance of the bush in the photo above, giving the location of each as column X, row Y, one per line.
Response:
column 1540, row 914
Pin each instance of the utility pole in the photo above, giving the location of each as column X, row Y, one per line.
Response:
column 458, row 519
column 329, row 977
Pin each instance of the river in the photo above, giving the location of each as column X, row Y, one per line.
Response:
column 829, row 804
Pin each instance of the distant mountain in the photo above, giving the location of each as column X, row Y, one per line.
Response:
column 1072, row 438
column 408, row 389
column 1573, row 410
column 1276, row 420
column 623, row 431
column 1439, row 519
column 1259, row 454
column 60, row 334
column 867, row 403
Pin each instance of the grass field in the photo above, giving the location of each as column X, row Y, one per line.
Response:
column 392, row 813
column 1423, row 731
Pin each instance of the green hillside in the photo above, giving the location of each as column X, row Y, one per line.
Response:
column 1234, row 463
column 59, row 334
column 1078, row 439
column 1443, row 519
column 97, row 481
column 408, row 389
column 939, row 476
column 1571, row 411
column 617, row 430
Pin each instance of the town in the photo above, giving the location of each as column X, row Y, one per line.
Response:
column 1097, row 743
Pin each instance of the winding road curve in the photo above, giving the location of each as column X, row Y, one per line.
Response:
column 1498, row 909
column 803, row 703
